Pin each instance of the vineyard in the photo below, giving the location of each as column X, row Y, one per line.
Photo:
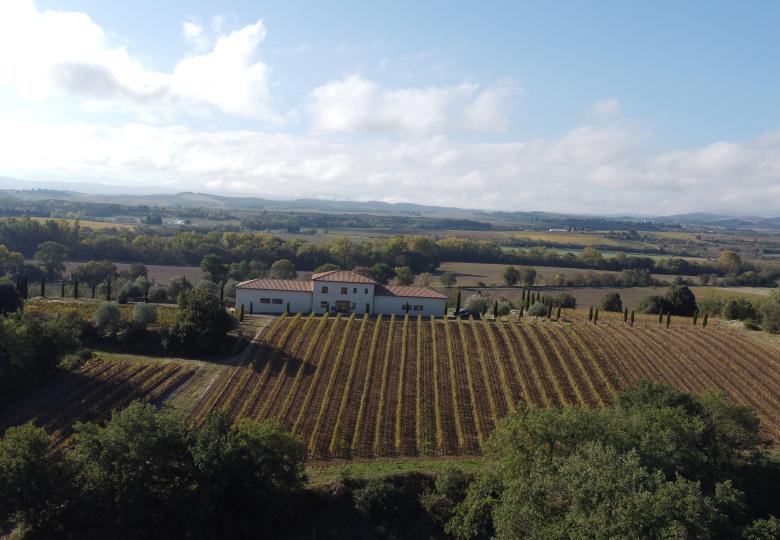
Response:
column 92, row 391
column 392, row 386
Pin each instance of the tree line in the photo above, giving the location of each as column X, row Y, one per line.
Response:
column 57, row 239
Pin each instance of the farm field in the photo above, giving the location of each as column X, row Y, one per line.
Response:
column 166, row 314
column 102, row 384
column 388, row 387
column 470, row 273
column 591, row 296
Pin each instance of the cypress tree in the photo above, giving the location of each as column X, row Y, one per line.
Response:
column 368, row 308
column 19, row 284
column 251, row 308
column 43, row 287
column 495, row 309
column 558, row 315
column 625, row 315
column 222, row 294
column 457, row 303
column 668, row 319
column 94, row 289
column 62, row 289
column 632, row 318
column 660, row 317
column 596, row 316
column 704, row 322
column 241, row 314
column 522, row 297
column 520, row 313
column 287, row 308
column 590, row 313
column 695, row 317
column 108, row 289
column 25, row 291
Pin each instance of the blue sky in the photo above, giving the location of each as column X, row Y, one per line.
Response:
column 598, row 107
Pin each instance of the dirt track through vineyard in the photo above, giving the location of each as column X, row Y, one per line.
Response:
column 353, row 387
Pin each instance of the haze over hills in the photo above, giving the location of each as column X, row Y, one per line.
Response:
column 130, row 196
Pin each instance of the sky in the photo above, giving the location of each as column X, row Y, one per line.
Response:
column 605, row 107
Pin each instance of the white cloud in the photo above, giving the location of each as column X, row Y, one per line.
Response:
column 192, row 32
column 44, row 53
column 356, row 104
column 605, row 110
column 588, row 169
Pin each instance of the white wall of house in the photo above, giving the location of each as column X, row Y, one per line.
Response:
column 273, row 301
column 358, row 296
column 389, row 305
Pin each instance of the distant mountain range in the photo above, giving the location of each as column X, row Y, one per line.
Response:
column 102, row 193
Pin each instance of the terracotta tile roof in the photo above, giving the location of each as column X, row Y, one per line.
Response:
column 345, row 276
column 413, row 292
column 276, row 285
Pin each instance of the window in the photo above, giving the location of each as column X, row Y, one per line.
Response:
column 276, row 301
column 354, row 290
column 324, row 290
column 265, row 300
column 324, row 305
column 366, row 291
column 344, row 290
column 417, row 308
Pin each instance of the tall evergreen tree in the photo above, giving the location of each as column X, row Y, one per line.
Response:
column 43, row 287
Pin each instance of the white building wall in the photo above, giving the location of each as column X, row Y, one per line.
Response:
column 389, row 305
column 300, row 301
column 359, row 295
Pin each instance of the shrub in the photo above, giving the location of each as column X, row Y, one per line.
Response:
column 107, row 315
column 611, row 302
column 130, row 291
column 476, row 303
column 711, row 305
column 504, row 307
column 537, row 310
column 739, row 309
column 158, row 295
column 653, row 304
column 565, row 300
column 144, row 314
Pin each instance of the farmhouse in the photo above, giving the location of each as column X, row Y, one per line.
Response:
column 337, row 291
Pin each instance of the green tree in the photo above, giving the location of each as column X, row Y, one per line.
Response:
column 136, row 471
column 681, row 300
column 107, row 315
column 10, row 299
column 730, row 262
column 403, row 275
column 144, row 314
column 448, row 279
column 202, row 323
column 611, row 302
column 214, row 268
column 283, row 269
column 51, row 256
column 770, row 312
column 529, row 275
column 537, row 309
column 94, row 272
column 33, row 482
column 511, row 276
column 382, row 273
